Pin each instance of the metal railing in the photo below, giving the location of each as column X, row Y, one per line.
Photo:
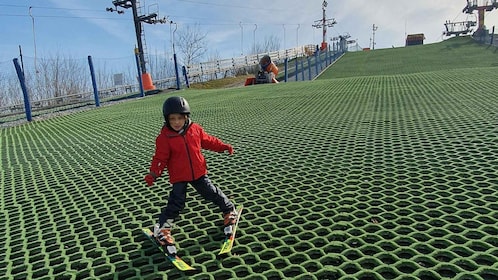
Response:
column 233, row 66
column 197, row 73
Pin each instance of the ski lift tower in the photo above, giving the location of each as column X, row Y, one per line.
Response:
column 342, row 42
column 481, row 6
column 138, row 20
column 323, row 24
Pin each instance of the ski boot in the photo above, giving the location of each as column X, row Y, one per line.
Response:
column 163, row 234
column 229, row 220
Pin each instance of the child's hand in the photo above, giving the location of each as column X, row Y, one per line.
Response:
column 229, row 148
column 149, row 179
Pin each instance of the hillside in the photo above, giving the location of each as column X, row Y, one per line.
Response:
column 384, row 168
column 454, row 53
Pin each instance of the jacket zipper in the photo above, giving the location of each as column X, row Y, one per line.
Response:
column 189, row 158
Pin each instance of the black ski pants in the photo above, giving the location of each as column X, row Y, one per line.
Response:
column 203, row 186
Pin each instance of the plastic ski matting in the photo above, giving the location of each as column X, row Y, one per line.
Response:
column 389, row 177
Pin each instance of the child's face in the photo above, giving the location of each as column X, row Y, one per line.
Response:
column 177, row 121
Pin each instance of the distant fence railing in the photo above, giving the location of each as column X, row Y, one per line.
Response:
column 222, row 68
column 308, row 67
column 308, row 57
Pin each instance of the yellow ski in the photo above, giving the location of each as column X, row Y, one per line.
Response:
column 169, row 252
column 227, row 245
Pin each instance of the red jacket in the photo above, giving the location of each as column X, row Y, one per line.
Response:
column 181, row 154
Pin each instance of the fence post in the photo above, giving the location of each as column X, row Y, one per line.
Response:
column 492, row 36
column 286, row 74
column 22, row 81
column 184, row 71
column 309, row 68
column 297, row 68
column 94, row 83
column 302, row 70
column 317, row 61
column 176, row 72
column 323, row 59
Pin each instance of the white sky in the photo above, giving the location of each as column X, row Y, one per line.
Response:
column 80, row 28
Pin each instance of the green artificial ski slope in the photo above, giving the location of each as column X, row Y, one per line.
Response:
column 455, row 53
column 378, row 176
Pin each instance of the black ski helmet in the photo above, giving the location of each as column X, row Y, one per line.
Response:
column 265, row 61
column 175, row 105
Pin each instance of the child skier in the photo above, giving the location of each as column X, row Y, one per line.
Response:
column 178, row 149
column 269, row 68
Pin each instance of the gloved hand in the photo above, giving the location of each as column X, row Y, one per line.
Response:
column 149, row 179
column 229, row 148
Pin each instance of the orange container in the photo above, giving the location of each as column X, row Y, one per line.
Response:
column 147, row 82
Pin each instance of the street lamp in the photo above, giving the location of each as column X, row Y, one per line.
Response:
column 283, row 25
column 34, row 37
column 241, row 39
column 297, row 35
column 254, row 38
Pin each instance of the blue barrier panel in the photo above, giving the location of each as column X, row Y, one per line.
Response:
column 22, row 81
column 94, row 82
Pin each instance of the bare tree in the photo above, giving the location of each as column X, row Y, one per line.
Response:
column 161, row 65
column 271, row 43
column 192, row 44
column 11, row 91
column 215, row 56
column 60, row 76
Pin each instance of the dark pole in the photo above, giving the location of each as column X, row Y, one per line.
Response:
column 22, row 81
column 176, row 72
column 20, row 56
column 140, row 83
column 94, row 82
column 138, row 33
column 492, row 36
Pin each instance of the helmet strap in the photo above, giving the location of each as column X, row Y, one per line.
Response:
column 185, row 126
column 183, row 129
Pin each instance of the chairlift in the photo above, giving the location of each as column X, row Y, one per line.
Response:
column 459, row 28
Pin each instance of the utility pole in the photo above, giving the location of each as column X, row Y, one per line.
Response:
column 324, row 23
column 241, row 39
column 374, row 28
column 254, row 39
column 138, row 19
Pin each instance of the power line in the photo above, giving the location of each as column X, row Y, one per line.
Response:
column 230, row 6
column 49, row 8
column 54, row 16
column 205, row 20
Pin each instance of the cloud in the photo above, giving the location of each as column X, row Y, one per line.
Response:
column 87, row 11
column 85, row 26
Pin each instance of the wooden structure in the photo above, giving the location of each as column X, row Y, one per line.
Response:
column 415, row 39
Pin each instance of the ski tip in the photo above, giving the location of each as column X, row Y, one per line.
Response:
column 221, row 254
column 191, row 271
column 147, row 231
